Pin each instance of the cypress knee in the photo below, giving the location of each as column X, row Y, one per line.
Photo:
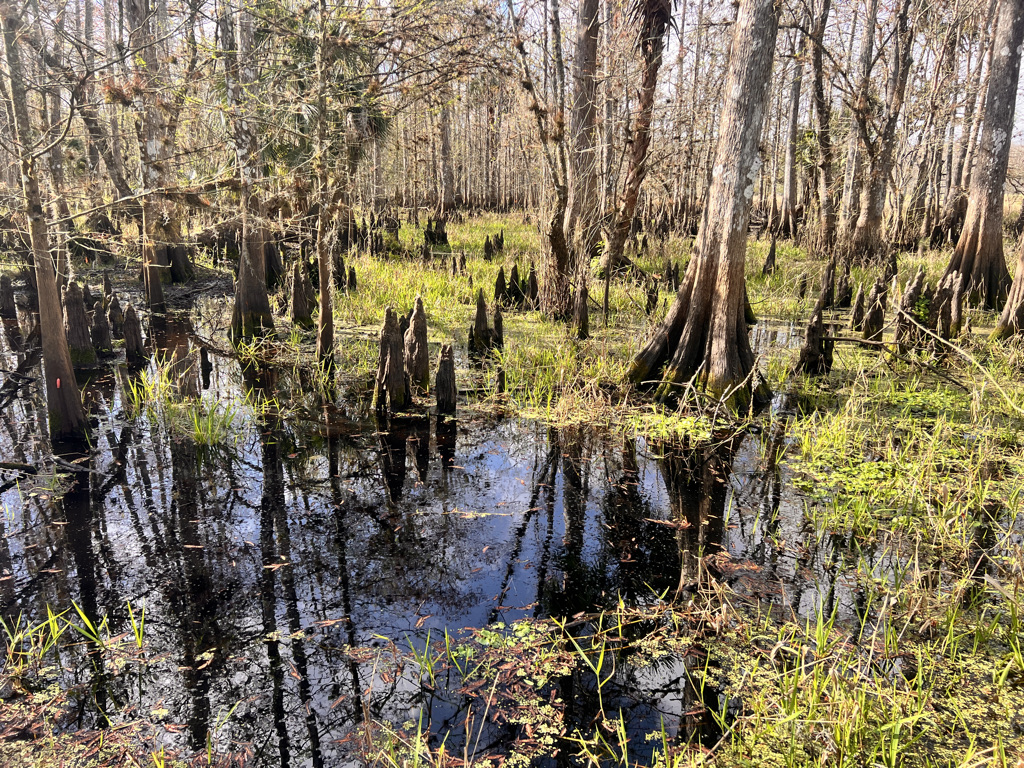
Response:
column 101, row 331
column 417, row 359
column 391, row 392
column 514, row 290
column 480, row 334
column 769, row 262
column 828, row 285
column 857, row 315
column 134, row 349
column 108, row 288
column 816, row 353
column 938, row 309
column 801, row 286
column 581, row 315
column 891, row 268
column 303, row 301
column 8, row 309
column 499, row 287
column 875, row 313
column 115, row 318
column 76, row 325
column 943, row 317
column 498, row 335
column 652, row 296
column 906, row 332
column 444, row 384
column 956, row 307
column 844, row 293
column 533, row 290
column 351, row 279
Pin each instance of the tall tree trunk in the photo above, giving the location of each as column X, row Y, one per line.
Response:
column 556, row 296
column 849, row 208
column 789, row 182
column 866, row 243
column 90, row 66
column 64, row 404
column 929, row 149
column 251, row 315
column 325, row 320
column 581, row 216
column 447, row 196
column 610, row 105
column 704, row 336
column 654, row 17
column 979, row 251
column 156, row 129
column 823, row 113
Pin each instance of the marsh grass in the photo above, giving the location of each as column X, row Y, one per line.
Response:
column 933, row 684
column 913, row 460
column 152, row 394
column 916, row 462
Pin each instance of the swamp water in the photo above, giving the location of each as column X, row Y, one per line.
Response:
column 282, row 569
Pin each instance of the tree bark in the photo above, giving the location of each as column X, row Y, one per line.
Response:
column 447, row 196
column 848, row 205
column 654, row 23
column 823, row 113
column 157, row 115
column 979, row 251
column 64, row 404
column 251, row 315
column 788, row 223
column 581, row 223
column 866, row 242
column 704, row 336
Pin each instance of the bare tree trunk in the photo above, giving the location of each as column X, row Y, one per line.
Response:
column 610, row 104
column 979, row 251
column 557, row 291
column 581, row 217
column 64, row 404
column 849, row 208
column 789, row 188
column 704, row 337
column 654, row 20
column 823, row 112
column 447, row 196
column 251, row 315
column 157, row 113
column 866, row 243
column 325, row 321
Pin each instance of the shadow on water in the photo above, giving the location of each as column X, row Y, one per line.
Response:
column 268, row 566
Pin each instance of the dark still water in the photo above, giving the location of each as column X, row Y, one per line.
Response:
column 276, row 568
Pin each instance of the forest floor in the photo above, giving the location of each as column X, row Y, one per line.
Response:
column 909, row 466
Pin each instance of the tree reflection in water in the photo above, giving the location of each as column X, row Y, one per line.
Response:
column 276, row 567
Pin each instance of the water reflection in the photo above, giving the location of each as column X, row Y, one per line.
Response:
column 265, row 565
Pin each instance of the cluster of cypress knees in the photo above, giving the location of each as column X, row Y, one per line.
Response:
column 92, row 325
column 403, row 362
column 926, row 316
